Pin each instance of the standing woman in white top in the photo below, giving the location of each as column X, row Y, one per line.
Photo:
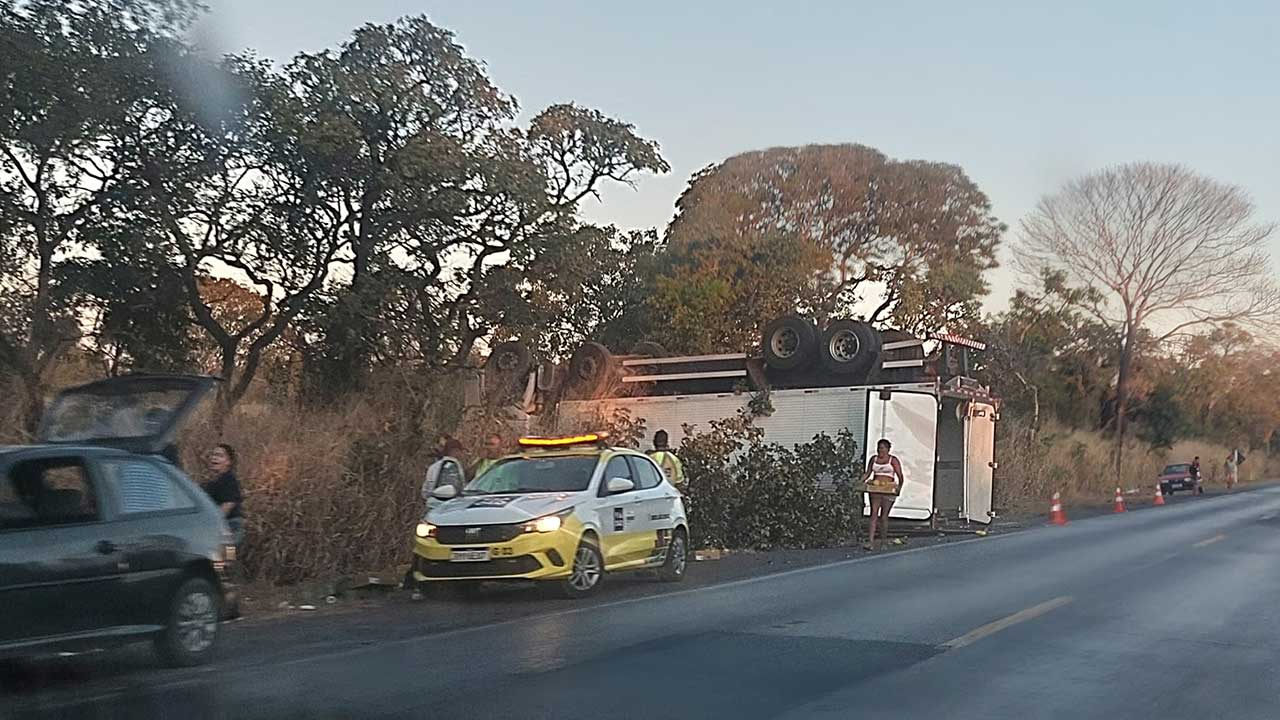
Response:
column 883, row 483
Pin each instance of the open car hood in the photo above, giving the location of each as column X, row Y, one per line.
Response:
column 139, row 413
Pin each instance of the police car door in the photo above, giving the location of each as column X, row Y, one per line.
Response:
column 623, row 541
column 656, row 508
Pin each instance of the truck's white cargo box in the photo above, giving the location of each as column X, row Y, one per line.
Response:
column 947, row 460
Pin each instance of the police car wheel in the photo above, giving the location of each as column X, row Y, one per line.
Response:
column 677, row 562
column 587, row 572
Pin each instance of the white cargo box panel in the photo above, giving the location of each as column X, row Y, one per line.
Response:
column 798, row 415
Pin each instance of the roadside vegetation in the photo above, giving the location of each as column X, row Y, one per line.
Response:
column 343, row 234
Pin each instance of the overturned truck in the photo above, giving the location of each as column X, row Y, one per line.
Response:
column 845, row 375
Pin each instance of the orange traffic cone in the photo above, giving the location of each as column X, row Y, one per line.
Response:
column 1056, row 515
column 1159, row 495
column 1119, row 501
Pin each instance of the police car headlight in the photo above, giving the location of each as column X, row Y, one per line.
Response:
column 425, row 530
column 546, row 523
column 550, row 523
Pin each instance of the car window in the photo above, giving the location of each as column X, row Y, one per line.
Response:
column 1171, row 469
column 647, row 474
column 144, row 488
column 567, row 473
column 47, row 492
column 617, row 467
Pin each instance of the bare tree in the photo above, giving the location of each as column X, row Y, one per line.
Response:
column 1171, row 252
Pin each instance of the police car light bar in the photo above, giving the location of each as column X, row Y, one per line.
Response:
column 585, row 439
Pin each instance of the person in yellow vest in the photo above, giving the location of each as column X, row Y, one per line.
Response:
column 667, row 461
column 493, row 451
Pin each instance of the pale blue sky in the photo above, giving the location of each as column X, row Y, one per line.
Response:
column 1022, row 95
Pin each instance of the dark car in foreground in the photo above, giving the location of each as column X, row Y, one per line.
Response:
column 102, row 540
column 1177, row 476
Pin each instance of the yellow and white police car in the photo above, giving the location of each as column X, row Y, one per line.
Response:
column 564, row 510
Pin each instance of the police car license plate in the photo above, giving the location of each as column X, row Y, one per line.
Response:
column 469, row 556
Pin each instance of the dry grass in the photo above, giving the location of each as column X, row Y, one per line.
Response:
column 330, row 491
column 1078, row 464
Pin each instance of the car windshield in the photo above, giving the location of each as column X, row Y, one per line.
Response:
column 1174, row 469
column 566, row 473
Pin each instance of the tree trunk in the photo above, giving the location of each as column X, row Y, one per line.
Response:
column 32, row 404
column 1035, row 412
column 1122, row 392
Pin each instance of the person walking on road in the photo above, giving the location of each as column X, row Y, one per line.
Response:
column 445, row 470
column 1195, row 476
column 493, row 451
column 668, row 461
column 883, row 483
column 223, row 487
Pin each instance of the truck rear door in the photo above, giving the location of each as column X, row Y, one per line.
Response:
column 909, row 421
column 980, row 438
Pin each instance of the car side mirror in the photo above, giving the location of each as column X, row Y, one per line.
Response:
column 445, row 492
column 620, row 485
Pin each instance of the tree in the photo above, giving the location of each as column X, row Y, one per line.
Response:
column 713, row 297
column 71, row 80
column 1170, row 250
column 1032, row 345
column 224, row 188
column 447, row 206
column 913, row 237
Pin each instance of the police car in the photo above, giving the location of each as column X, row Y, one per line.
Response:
column 564, row 510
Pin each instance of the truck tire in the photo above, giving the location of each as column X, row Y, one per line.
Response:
column 589, row 366
column 788, row 343
column 850, row 348
column 648, row 348
column 510, row 358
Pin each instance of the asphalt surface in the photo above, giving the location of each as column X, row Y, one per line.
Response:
column 1170, row 612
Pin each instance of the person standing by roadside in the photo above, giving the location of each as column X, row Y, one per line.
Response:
column 1233, row 468
column 493, row 451
column 668, row 461
column 223, row 487
column 883, row 483
column 1195, row 476
column 445, row 470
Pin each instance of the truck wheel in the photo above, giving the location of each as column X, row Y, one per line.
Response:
column 589, row 366
column 788, row 342
column 677, row 561
column 510, row 358
column 587, row 571
column 191, row 633
column 850, row 347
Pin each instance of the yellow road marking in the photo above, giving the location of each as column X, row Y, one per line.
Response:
column 1210, row 541
column 1021, row 616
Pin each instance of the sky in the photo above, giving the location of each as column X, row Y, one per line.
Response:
column 1023, row 95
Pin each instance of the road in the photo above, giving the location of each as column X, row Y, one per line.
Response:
column 1172, row 613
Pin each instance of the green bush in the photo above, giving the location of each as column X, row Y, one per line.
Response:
column 744, row 493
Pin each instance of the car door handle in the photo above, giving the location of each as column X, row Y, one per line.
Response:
column 106, row 547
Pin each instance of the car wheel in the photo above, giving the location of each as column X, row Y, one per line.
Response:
column 191, row 633
column 587, row 571
column 677, row 562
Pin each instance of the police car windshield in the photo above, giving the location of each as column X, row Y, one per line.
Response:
column 567, row 473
